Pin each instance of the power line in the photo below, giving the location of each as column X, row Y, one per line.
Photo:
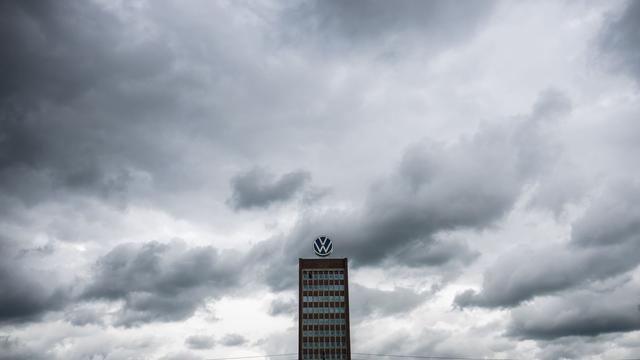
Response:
column 430, row 357
column 366, row 354
column 379, row 355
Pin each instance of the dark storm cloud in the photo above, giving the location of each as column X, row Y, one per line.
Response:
column 40, row 43
column 48, row 60
column 524, row 274
column 233, row 340
column 162, row 282
column 25, row 296
column 582, row 313
column 605, row 242
column 199, row 342
column 435, row 189
column 257, row 188
column 92, row 104
column 121, row 106
column 620, row 37
column 367, row 302
column 141, row 101
column 367, row 22
column 65, row 66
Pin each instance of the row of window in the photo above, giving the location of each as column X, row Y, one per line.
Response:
column 323, row 293
column 323, row 322
column 331, row 298
column 327, row 356
column 323, row 333
column 323, row 282
column 323, row 310
column 324, row 345
column 340, row 269
column 323, row 327
column 323, row 287
column 307, row 275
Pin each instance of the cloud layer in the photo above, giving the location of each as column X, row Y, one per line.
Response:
column 161, row 282
column 161, row 173
column 604, row 244
column 257, row 188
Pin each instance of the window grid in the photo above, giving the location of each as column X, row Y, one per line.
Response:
column 324, row 334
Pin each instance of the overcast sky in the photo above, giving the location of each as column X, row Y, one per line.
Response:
column 163, row 165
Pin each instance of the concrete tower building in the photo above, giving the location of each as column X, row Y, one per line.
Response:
column 323, row 331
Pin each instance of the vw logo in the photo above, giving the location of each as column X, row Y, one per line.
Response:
column 323, row 246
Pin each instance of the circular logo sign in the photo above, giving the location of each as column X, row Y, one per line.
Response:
column 323, row 246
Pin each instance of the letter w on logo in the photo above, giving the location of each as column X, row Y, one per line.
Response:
column 323, row 245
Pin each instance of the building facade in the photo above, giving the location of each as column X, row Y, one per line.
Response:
column 323, row 331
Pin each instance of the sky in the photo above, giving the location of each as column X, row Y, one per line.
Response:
column 164, row 164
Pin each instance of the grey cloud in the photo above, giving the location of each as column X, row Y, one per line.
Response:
column 551, row 105
column 613, row 219
column 436, row 253
column 258, row 188
column 523, row 274
column 381, row 22
column 162, row 282
column 25, row 296
column 97, row 343
column 54, row 133
column 619, row 39
column 152, row 103
column 604, row 243
column 233, row 340
column 438, row 188
column 581, row 313
column 283, row 307
column 435, row 342
column 563, row 185
column 199, row 342
column 366, row 302
column 35, row 68
column 575, row 347
column 24, row 299
column 84, row 86
column 435, row 190
column 81, row 123
column 141, row 308
column 84, row 316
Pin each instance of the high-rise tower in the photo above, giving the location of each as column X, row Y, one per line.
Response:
column 323, row 331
